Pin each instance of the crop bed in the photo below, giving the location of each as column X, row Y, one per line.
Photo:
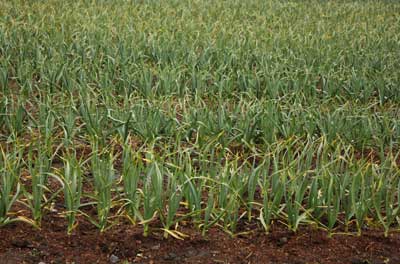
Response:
column 211, row 131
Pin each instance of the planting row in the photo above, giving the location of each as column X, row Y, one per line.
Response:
column 295, row 182
column 243, row 122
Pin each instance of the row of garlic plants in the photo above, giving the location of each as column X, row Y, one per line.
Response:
column 295, row 181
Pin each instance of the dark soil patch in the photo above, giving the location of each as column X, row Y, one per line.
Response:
column 125, row 243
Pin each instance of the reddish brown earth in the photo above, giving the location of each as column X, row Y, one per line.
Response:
column 21, row 243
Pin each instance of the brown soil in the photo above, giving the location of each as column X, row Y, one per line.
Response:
column 125, row 243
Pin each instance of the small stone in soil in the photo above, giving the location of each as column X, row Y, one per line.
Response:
column 171, row 256
column 156, row 247
column 204, row 253
column 282, row 241
column 114, row 259
column 190, row 253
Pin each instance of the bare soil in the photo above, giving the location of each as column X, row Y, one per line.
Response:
column 124, row 243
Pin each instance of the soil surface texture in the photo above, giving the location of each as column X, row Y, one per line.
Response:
column 124, row 243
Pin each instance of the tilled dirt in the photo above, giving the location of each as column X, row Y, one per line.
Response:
column 125, row 243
